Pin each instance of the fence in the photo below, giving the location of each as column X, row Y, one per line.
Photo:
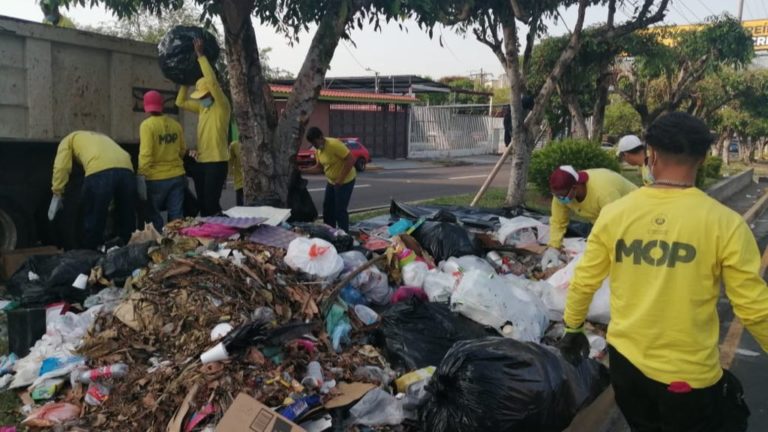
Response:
column 454, row 130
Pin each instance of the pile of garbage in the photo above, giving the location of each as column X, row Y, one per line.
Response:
column 417, row 321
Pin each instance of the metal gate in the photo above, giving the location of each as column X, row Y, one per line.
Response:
column 382, row 128
column 454, row 130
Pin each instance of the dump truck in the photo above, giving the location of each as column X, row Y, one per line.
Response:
column 55, row 81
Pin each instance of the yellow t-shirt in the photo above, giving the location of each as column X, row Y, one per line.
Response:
column 331, row 157
column 161, row 148
column 603, row 187
column 94, row 151
column 212, row 122
column 667, row 251
column 236, row 164
column 64, row 22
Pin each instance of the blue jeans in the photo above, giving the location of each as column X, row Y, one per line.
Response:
column 101, row 188
column 335, row 205
column 167, row 195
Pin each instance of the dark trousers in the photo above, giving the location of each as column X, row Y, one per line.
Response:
column 335, row 205
column 239, row 196
column 101, row 188
column 167, row 195
column 649, row 406
column 209, row 178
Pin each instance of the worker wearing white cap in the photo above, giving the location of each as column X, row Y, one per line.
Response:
column 632, row 151
column 212, row 154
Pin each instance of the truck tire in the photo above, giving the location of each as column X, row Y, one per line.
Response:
column 14, row 229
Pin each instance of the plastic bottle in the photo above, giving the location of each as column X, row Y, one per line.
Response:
column 117, row 370
column 314, row 377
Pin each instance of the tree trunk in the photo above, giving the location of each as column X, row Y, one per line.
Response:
column 601, row 101
column 306, row 87
column 253, row 106
column 578, row 122
column 726, row 145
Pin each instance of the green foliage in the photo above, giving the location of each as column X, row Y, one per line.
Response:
column 621, row 119
column 710, row 169
column 581, row 154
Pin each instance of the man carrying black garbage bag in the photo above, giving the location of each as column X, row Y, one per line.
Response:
column 668, row 248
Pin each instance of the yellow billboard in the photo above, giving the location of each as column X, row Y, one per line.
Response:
column 758, row 29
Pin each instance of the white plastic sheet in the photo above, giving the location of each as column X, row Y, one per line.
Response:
column 439, row 286
column 493, row 301
column 521, row 231
column 414, row 274
column 554, row 297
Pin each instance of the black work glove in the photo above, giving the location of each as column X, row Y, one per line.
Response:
column 574, row 345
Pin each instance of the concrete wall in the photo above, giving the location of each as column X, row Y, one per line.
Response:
column 319, row 116
column 729, row 186
column 58, row 80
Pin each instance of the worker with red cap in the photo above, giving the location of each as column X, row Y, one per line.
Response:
column 161, row 167
column 212, row 154
column 583, row 192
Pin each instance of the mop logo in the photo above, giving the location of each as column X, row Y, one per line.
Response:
column 657, row 253
column 168, row 138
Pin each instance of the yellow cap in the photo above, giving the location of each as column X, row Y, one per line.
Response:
column 202, row 88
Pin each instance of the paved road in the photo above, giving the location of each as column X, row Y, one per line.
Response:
column 377, row 188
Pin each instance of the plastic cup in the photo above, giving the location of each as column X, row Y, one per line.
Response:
column 366, row 315
column 217, row 353
column 81, row 282
column 220, row 330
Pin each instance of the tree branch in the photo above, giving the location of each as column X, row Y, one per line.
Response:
column 519, row 12
column 608, row 32
column 530, row 39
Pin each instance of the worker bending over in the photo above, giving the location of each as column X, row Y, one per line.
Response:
column 668, row 249
column 52, row 15
column 338, row 164
column 161, row 165
column 108, row 177
column 584, row 192
column 212, row 154
column 632, row 151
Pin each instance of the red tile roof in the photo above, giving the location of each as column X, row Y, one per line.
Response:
column 340, row 95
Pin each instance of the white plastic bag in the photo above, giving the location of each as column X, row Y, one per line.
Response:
column 371, row 282
column 314, row 256
column 439, row 286
column 377, row 408
column 471, row 262
column 554, row 297
column 493, row 301
column 414, row 274
column 522, row 231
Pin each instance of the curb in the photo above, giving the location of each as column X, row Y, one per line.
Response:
column 729, row 186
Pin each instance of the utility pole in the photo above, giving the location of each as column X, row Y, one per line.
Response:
column 741, row 9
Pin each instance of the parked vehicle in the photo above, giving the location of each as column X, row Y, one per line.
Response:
column 306, row 158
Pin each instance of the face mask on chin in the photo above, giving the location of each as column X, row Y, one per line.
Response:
column 565, row 200
column 206, row 102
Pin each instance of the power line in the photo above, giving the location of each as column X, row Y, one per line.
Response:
column 679, row 12
column 682, row 3
column 706, row 7
column 353, row 56
column 749, row 10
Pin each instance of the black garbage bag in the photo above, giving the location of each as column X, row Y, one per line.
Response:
column 118, row 264
column 176, row 54
column 300, row 201
column 414, row 334
column 55, row 275
column 341, row 241
column 499, row 384
column 445, row 239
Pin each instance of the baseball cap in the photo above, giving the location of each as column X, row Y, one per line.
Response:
column 566, row 177
column 628, row 143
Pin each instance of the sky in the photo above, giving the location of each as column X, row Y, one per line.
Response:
column 395, row 52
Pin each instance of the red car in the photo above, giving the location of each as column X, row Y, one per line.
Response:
column 306, row 158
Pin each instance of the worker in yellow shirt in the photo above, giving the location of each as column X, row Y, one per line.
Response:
column 108, row 177
column 632, row 151
column 212, row 154
column 583, row 192
column 52, row 15
column 161, row 149
column 338, row 164
column 668, row 249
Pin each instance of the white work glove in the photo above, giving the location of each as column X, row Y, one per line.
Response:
column 141, row 187
column 551, row 258
column 56, row 205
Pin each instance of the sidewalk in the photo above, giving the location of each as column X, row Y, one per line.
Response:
column 405, row 164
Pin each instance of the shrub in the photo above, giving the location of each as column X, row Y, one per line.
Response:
column 711, row 168
column 581, row 154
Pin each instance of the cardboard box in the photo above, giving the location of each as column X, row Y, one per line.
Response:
column 246, row 414
column 10, row 261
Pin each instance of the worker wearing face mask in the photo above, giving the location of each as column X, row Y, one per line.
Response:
column 52, row 15
column 632, row 151
column 583, row 192
column 212, row 153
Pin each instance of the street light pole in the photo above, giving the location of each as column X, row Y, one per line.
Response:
column 741, row 9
